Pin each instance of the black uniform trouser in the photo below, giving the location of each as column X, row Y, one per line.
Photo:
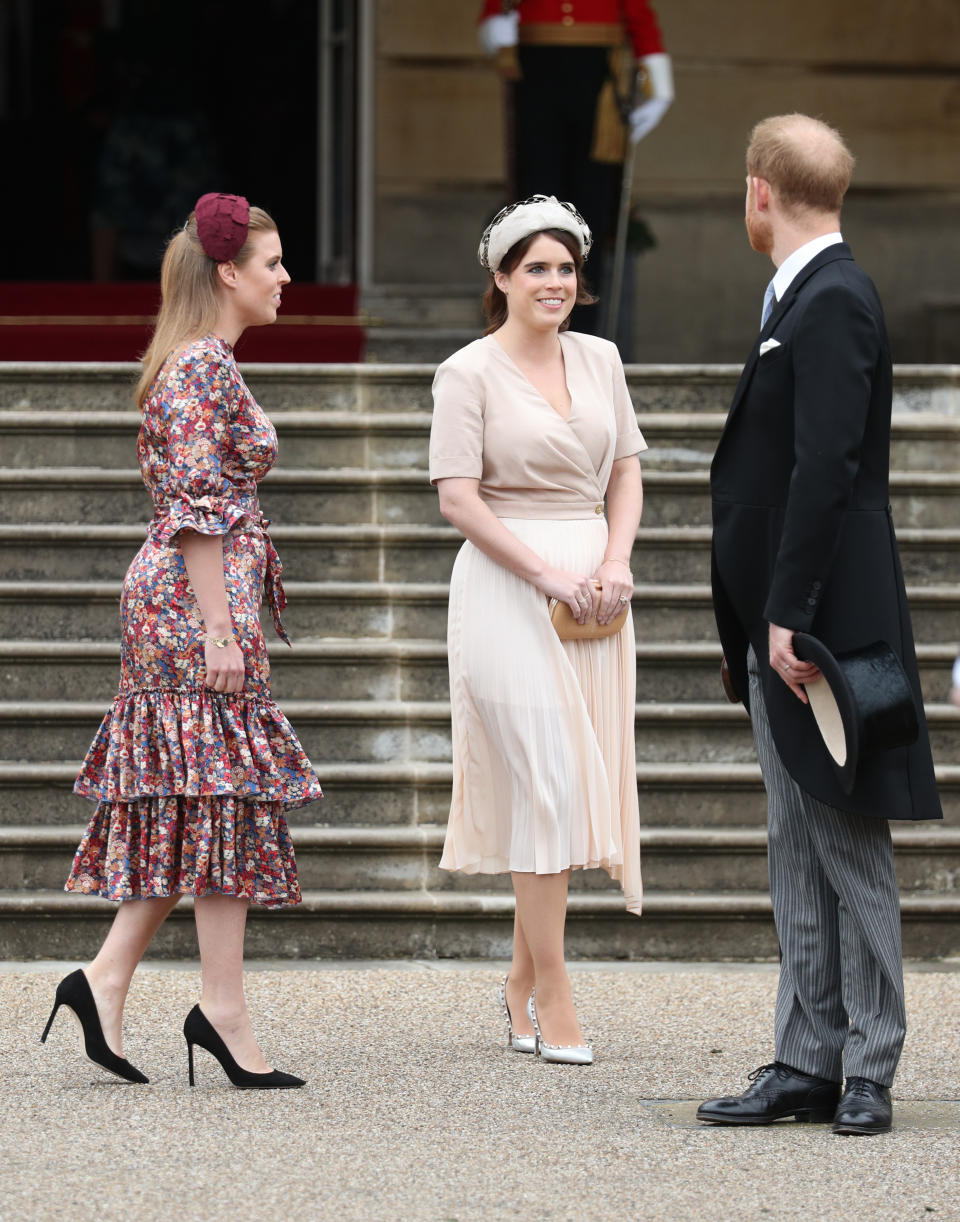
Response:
column 555, row 105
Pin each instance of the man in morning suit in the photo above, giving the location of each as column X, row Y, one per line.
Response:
column 803, row 541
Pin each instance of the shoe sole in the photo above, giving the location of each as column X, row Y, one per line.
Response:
column 801, row 1117
column 857, row 1130
column 282, row 1086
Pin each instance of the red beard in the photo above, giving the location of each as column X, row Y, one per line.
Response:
column 760, row 232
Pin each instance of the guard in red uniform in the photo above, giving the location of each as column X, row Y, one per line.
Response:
column 558, row 55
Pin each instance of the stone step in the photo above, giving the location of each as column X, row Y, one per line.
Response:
column 391, row 732
column 920, row 441
column 403, row 387
column 407, row 859
column 351, row 610
column 429, row 306
column 394, row 387
column 400, row 440
column 360, row 669
column 89, row 610
column 62, row 386
column 679, row 794
column 361, row 552
column 441, row 924
column 371, row 525
column 386, row 731
column 392, row 343
column 366, row 552
column 367, row 610
column 353, row 495
column 40, row 793
column 307, row 439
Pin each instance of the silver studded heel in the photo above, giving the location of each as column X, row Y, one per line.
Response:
column 519, row 1043
column 559, row 1054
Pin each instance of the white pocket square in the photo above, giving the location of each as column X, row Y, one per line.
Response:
column 768, row 345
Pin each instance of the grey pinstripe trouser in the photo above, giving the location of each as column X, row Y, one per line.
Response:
column 840, row 1004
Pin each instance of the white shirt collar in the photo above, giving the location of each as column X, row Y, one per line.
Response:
column 793, row 264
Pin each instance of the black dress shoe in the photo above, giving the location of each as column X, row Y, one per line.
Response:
column 777, row 1091
column 865, row 1108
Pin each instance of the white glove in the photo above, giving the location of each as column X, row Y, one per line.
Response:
column 495, row 33
column 645, row 117
column 658, row 90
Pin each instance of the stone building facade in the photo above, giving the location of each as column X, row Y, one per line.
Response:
column 886, row 73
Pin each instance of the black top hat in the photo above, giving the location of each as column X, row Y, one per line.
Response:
column 863, row 703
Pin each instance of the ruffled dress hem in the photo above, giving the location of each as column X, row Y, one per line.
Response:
column 94, row 888
column 187, row 846
column 171, row 742
column 191, row 788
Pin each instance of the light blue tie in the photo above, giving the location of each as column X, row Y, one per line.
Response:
column 768, row 300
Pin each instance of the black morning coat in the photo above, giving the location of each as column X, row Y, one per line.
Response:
column 802, row 527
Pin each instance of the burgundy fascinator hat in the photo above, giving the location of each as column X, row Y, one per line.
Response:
column 222, row 222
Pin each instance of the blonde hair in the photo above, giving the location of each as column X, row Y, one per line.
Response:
column 189, row 296
column 805, row 161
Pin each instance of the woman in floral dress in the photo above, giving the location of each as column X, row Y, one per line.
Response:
column 194, row 765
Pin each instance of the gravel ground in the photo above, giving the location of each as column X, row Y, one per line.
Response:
column 415, row 1109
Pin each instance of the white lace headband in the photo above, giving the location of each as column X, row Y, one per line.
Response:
column 530, row 216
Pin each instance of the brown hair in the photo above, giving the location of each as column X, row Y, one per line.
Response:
column 189, row 292
column 805, row 161
column 495, row 301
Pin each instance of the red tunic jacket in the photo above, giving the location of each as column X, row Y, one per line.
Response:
column 573, row 20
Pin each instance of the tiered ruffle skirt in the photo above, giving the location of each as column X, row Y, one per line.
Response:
column 191, row 789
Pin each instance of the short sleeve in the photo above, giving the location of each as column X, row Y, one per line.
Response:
column 456, row 434
column 196, row 407
column 629, row 438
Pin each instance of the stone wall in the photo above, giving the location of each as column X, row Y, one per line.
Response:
column 886, row 73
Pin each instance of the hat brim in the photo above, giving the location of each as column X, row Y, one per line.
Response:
column 834, row 708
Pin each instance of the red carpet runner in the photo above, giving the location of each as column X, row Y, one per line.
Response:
column 317, row 323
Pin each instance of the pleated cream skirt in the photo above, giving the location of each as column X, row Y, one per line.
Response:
column 544, row 758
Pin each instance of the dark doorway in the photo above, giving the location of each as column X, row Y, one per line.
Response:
column 116, row 114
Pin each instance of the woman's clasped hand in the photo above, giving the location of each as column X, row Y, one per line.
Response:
column 576, row 590
column 616, row 589
column 603, row 595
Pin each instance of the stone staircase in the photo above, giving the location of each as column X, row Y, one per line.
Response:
column 367, row 559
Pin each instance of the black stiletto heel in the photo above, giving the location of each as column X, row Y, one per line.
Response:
column 53, row 1015
column 74, row 993
column 197, row 1029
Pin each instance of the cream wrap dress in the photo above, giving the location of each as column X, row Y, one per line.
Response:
column 544, row 758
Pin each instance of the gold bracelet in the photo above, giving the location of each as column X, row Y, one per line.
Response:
column 221, row 642
column 614, row 560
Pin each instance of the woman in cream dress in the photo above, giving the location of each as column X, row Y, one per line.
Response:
column 533, row 436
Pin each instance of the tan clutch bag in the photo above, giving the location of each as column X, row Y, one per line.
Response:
column 568, row 629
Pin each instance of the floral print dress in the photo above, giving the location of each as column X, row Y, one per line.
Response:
column 191, row 785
